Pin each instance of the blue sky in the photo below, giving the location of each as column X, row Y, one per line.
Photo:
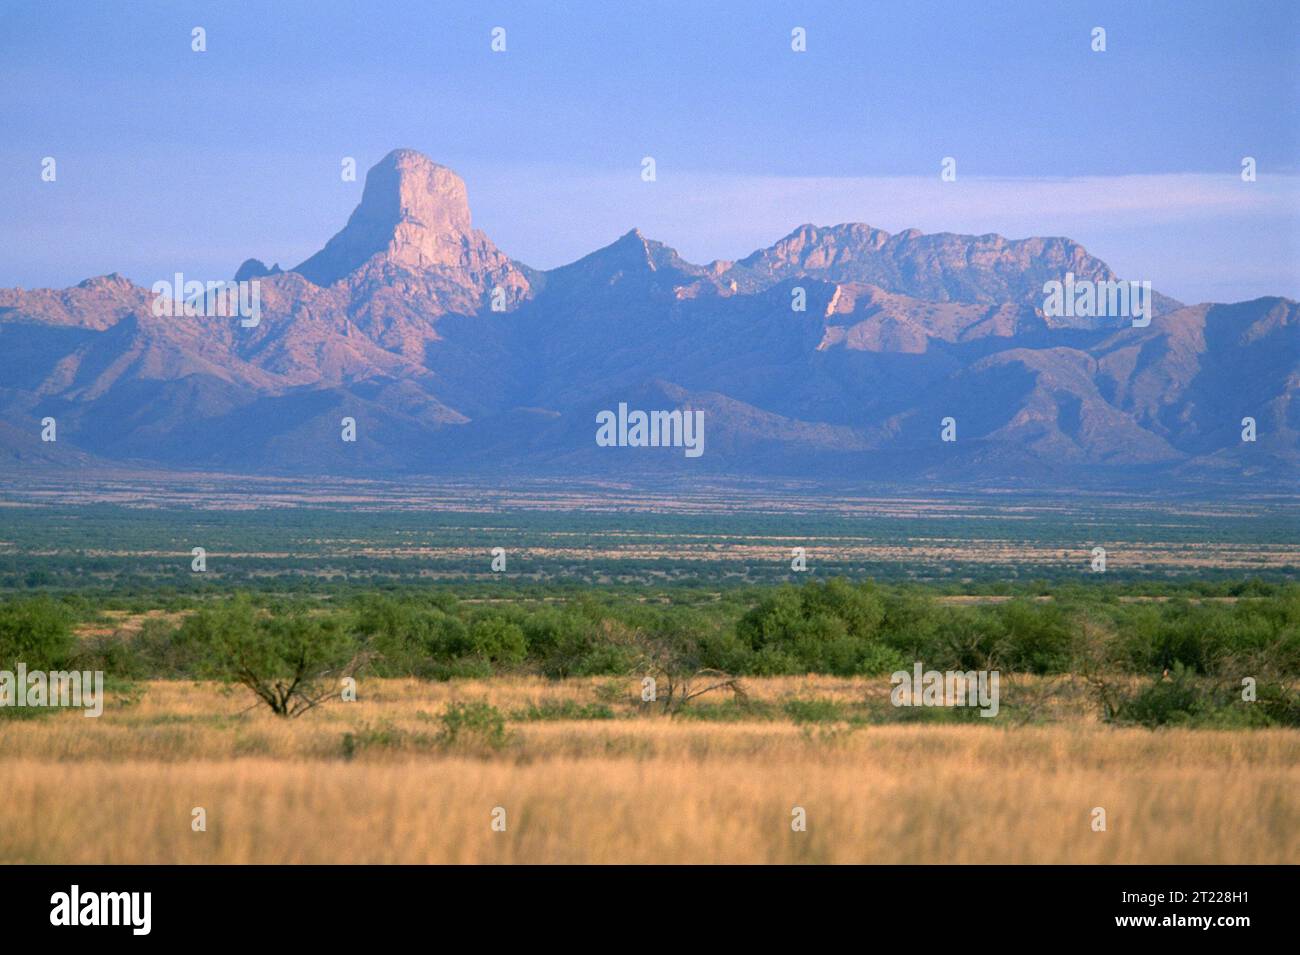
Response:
column 170, row 159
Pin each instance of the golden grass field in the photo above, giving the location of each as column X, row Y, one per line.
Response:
column 642, row 788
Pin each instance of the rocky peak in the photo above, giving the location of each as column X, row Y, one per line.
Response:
column 633, row 248
column 413, row 211
column 633, row 257
column 112, row 282
column 936, row 267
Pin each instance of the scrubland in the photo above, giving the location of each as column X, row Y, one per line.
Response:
column 519, row 729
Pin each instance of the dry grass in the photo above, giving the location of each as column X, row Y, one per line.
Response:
column 640, row 789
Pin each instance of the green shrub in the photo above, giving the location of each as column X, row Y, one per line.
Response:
column 37, row 632
column 570, row 642
column 475, row 724
column 826, row 627
column 498, row 640
column 409, row 638
column 1166, row 701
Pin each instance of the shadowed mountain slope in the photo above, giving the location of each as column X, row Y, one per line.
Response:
column 837, row 351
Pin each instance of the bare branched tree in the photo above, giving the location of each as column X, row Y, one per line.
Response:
column 300, row 689
column 672, row 659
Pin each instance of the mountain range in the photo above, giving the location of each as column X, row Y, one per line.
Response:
column 453, row 358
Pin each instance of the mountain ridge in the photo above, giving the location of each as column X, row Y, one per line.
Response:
column 451, row 356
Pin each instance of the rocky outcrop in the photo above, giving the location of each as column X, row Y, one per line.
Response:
column 414, row 216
